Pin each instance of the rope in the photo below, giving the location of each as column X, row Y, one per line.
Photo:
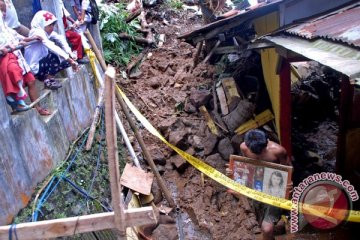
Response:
column 98, row 157
column 84, row 193
column 46, row 195
column 13, row 227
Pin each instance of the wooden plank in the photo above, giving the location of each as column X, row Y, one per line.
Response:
column 258, row 121
column 137, row 179
column 212, row 51
column 209, row 121
column 231, row 92
column 111, row 143
column 228, row 49
column 75, row 225
column 222, row 99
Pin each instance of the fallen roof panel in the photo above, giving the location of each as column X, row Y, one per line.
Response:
column 339, row 57
column 341, row 25
column 230, row 22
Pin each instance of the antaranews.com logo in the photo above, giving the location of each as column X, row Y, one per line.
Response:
column 323, row 200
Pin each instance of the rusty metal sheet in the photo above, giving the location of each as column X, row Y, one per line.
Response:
column 244, row 15
column 344, row 59
column 341, row 25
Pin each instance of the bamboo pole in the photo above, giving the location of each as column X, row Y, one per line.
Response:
column 95, row 120
column 111, row 143
column 127, row 140
column 96, row 50
column 148, row 157
column 74, row 225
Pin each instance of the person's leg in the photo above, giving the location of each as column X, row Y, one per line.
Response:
column 267, row 230
column 271, row 216
column 33, row 93
column 75, row 40
column 48, row 67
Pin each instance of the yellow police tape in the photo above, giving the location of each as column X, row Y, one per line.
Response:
column 92, row 59
column 354, row 216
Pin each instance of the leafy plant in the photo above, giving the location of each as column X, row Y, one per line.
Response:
column 175, row 4
column 116, row 50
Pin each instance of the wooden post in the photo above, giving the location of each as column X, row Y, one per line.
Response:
column 212, row 51
column 199, row 46
column 75, row 225
column 95, row 119
column 96, row 50
column 111, row 143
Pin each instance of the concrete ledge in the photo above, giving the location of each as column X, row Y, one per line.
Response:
column 32, row 145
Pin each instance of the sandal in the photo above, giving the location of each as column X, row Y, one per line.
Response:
column 42, row 111
column 52, row 84
column 18, row 106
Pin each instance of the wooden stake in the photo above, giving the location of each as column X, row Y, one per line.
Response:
column 199, row 46
column 211, row 52
column 136, row 39
column 148, row 157
column 75, row 225
column 95, row 120
column 111, row 143
column 96, row 50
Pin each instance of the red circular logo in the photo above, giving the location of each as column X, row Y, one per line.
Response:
column 328, row 205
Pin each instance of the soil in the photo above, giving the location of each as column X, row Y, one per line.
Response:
column 162, row 88
column 161, row 91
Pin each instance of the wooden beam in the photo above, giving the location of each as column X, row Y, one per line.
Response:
column 260, row 45
column 209, row 121
column 285, row 107
column 222, row 99
column 111, row 143
column 96, row 50
column 228, row 49
column 75, row 225
column 258, row 121
column 212, row 51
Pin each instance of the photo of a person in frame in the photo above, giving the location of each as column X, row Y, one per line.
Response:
column 275, row 183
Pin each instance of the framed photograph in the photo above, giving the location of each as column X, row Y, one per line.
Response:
column 263, row 176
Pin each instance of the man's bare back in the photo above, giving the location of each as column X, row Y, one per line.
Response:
column 273, row 152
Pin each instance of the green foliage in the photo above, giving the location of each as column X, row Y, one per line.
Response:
column 175, row 4
column 116, row 50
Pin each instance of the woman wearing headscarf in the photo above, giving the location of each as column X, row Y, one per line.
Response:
column 52, row 54
column 14, row 71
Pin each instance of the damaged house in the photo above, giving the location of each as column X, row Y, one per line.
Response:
column 284, row 33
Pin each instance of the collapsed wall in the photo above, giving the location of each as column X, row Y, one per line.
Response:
column 32, row 145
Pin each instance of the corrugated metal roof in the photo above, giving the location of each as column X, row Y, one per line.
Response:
column 233, row 21
column 341, row 58
column 342, row 25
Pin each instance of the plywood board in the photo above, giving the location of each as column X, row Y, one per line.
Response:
column 137, row 179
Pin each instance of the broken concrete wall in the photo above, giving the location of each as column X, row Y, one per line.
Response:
column 33, row 145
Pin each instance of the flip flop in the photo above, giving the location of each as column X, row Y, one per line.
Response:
column 23, row 105
column 52, row 84
column 43, row 112
column 11, row 102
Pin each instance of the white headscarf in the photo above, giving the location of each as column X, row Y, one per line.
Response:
column 8, row 35
column 42, row 19
column 11, row 37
